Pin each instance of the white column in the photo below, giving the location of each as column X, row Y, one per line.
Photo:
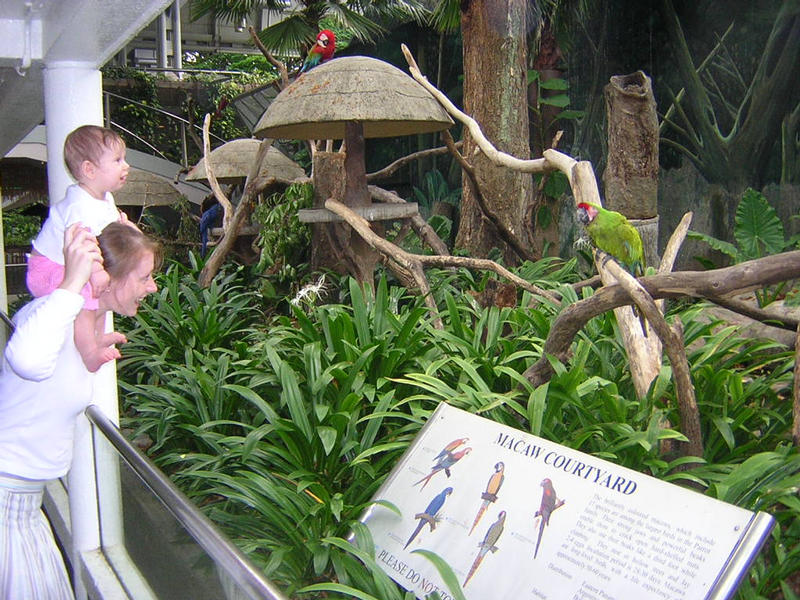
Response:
column 177, row 46
column 73, row 96
column 161, row 40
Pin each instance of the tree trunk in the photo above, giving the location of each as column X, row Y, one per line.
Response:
column 631, row 175
column 341, row 176
column 495, row 95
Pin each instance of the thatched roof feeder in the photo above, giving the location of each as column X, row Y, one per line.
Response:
column 353, row 98
column 384, row 99
column 233, row 160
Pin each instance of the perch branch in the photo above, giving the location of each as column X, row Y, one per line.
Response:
column 227, row 207
column 710, row 285
column 505, row 233
column 281, row 66
column 230, row 233
column 672, row 340
column 537, row 165
column 420, row 225
column 398, row 257
column 401, row 162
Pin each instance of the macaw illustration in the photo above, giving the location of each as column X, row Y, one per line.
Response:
column 428, row 516
column 489, row 543
column 322, row 50
column 549, row 504
column 611, row 232
column 490, row 495
column 445, row 463
column 450, row 448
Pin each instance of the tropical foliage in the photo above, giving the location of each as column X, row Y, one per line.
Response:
column 283, row 431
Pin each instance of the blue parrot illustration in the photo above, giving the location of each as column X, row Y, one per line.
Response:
column 429, row 514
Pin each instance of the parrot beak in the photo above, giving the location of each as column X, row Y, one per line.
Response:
column 583, row 217
column 323, row 41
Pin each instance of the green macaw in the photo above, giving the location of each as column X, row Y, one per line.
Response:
column 611, row 232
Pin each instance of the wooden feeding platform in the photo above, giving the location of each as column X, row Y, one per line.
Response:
column 373, row 212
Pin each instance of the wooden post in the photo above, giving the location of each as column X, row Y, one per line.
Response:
column 631, row 175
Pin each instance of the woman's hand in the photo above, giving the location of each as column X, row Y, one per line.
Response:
column 80, row 253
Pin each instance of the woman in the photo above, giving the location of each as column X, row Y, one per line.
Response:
column 44, row 387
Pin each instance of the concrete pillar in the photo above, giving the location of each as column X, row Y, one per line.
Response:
column 161, row 41
column 73, row 96
column 73, row 93
column 177, row 47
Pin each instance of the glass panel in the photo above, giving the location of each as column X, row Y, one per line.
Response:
column 152, row 553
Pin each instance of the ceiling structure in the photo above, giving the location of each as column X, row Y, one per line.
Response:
column 35, row 33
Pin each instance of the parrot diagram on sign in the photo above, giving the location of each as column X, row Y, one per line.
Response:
column 429, row 515
column 611, row 232
column 322, row 50
column 490, row 495
column 489, row 543
column 445, row 460
column 549, row 504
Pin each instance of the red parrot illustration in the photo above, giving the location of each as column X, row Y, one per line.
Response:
column 429, row 514
column 489, row 543
column 549, row 504
column 490, row 495
column 444, row 464
column 450, row 448
column 322, row 50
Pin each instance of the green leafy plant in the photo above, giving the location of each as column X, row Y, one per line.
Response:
column 18, row 228
column 758, row 232
column 285, row 242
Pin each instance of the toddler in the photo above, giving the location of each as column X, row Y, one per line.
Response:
column 95, row 157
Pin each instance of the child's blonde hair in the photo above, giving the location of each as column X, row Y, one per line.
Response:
column 88, row 142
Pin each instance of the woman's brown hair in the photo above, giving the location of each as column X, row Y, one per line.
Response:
column 122, row 246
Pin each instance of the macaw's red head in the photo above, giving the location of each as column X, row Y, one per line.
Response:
column 586, row 213
column 326, row 41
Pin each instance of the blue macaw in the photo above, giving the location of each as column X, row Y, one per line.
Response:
column 429, row 514
column 206, row 223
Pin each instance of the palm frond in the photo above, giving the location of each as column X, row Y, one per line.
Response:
column 232, row 10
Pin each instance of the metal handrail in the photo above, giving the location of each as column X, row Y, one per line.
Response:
column 200, row 527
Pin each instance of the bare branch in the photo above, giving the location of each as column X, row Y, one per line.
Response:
column 227, row 207
column 281, row 66
column 537, row 165
column 401, row 162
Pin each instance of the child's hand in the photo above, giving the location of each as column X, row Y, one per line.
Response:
column 81, row 252
column 123, row 218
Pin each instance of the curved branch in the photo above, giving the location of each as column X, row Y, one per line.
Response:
column 227, row 207
column 400, row 162
column 710, row 285
column 505, row 232
column 537, row 165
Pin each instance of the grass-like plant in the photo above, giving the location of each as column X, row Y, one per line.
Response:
column 284, row 431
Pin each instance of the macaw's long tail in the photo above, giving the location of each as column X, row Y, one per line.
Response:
column 539, row 539
column 426, row 479
column 416, row 532
column 481, row 510
column 474, row 567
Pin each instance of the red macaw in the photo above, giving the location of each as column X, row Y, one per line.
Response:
column 322, row 50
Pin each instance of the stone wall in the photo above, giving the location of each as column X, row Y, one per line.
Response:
column 684, row 189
